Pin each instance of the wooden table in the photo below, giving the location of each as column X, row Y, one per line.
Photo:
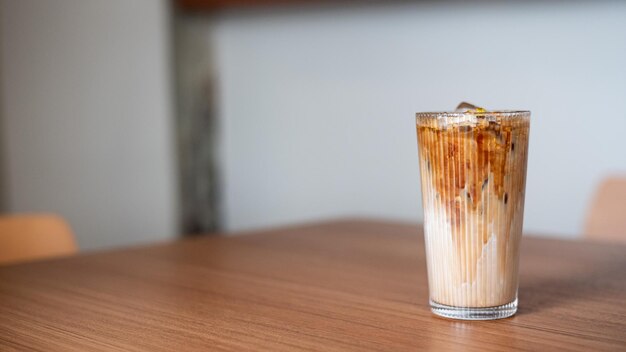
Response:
column 345, row 285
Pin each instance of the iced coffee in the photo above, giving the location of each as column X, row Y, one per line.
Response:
column 473, row 175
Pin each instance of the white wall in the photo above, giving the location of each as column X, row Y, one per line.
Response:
column 87, row 116
column 317, row 109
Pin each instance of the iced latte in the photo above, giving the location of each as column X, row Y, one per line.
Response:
column 473, row 174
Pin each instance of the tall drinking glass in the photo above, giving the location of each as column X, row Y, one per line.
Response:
column 473, row 176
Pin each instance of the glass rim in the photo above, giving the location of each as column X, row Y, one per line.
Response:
column 491, row 113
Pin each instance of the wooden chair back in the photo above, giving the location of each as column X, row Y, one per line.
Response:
column 606, row 219
column 32, row 237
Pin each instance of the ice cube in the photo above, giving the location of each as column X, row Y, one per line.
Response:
column 465, row 106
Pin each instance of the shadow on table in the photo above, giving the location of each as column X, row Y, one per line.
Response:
column 538, row 294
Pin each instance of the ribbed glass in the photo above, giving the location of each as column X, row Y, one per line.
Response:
column 473, row 175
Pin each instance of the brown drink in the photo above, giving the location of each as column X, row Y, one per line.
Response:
column 473, row 171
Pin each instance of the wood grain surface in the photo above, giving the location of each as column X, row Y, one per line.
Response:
column 344, row 285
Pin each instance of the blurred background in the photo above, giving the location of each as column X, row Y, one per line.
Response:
column 138, row 121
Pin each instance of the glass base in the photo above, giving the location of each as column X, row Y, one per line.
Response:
column 465, row 313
